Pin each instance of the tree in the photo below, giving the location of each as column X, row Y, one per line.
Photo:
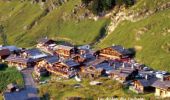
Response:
column 99, row 6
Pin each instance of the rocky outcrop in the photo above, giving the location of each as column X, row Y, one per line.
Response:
column 117, row 16
column 132, row 16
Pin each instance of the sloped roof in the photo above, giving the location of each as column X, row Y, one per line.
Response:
column 70, row 63
column 120, row 49
column 63, row 47
column 122, row 72
column 96, row 62
column 35, row 53
column 147, row 82
column 11, row 48
column 105, row 66
column 18, row 59
column 44, row 40
column 52, row 59
column 162, row 84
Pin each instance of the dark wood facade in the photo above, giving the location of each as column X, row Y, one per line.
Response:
column 20, row 62
column 64, row 51
column 4, row 53
column 143, row 86
column 91, row 72
column 61, row 69
column 109, row 53
column 124, row 74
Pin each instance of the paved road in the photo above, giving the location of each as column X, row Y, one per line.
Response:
column 30, row 91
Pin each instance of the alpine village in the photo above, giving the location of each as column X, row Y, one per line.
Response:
column 67, row 61
column 84, row 49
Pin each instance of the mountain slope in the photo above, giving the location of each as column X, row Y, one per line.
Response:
column 151, row 38
column 25, row 22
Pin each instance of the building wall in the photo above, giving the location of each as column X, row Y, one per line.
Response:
column 162, row 93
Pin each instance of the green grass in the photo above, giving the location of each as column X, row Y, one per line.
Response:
column 148, row 4
column 63, row 89
column 155, row 52
column 9, row 75
column 61, row 25
column 53, row 25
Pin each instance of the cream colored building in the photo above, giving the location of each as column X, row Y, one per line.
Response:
column 162, row 88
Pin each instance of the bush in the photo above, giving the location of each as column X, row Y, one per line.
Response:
column 10, row 75
column 99, row 6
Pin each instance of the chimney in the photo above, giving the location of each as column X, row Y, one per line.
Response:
column 146, row 77
column 132, row 66
column 123, row 65
column 162, row 78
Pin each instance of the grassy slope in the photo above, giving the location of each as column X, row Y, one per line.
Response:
column 151, row 41
column 148, row 4
column 52, row 25
column 109, row 88
column 8, row 76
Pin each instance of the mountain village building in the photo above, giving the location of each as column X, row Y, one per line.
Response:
column 114, row 52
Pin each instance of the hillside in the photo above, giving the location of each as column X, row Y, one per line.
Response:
column 148, row 31
column 25, row 23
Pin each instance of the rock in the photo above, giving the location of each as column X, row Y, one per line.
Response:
column 77, row 86
column 95, row 83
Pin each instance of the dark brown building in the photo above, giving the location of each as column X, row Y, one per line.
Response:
column 114, row 52
column 4, row 53
column 66, row 68
column 64, row 51
column 19, row 62
column 124, row 74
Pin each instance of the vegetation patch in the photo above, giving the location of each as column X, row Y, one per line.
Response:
column 9, row 75
column 148, row 36
column 62, row 89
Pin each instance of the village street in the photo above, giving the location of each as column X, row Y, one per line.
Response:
column 29, row 92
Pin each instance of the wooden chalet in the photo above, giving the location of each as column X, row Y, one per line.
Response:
column 79, row 58
column 40, row 67
column 43, row 42
column 46, row 45
column 83, row 49
column 66, row 68
column 64, row 51
column 124, row 74
column 84, row 58
column 19, row 62
column 94, row 69
column 143, row 85
column 12, row 49
column 4, row 53
column 162, row 88
column 114, row 52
